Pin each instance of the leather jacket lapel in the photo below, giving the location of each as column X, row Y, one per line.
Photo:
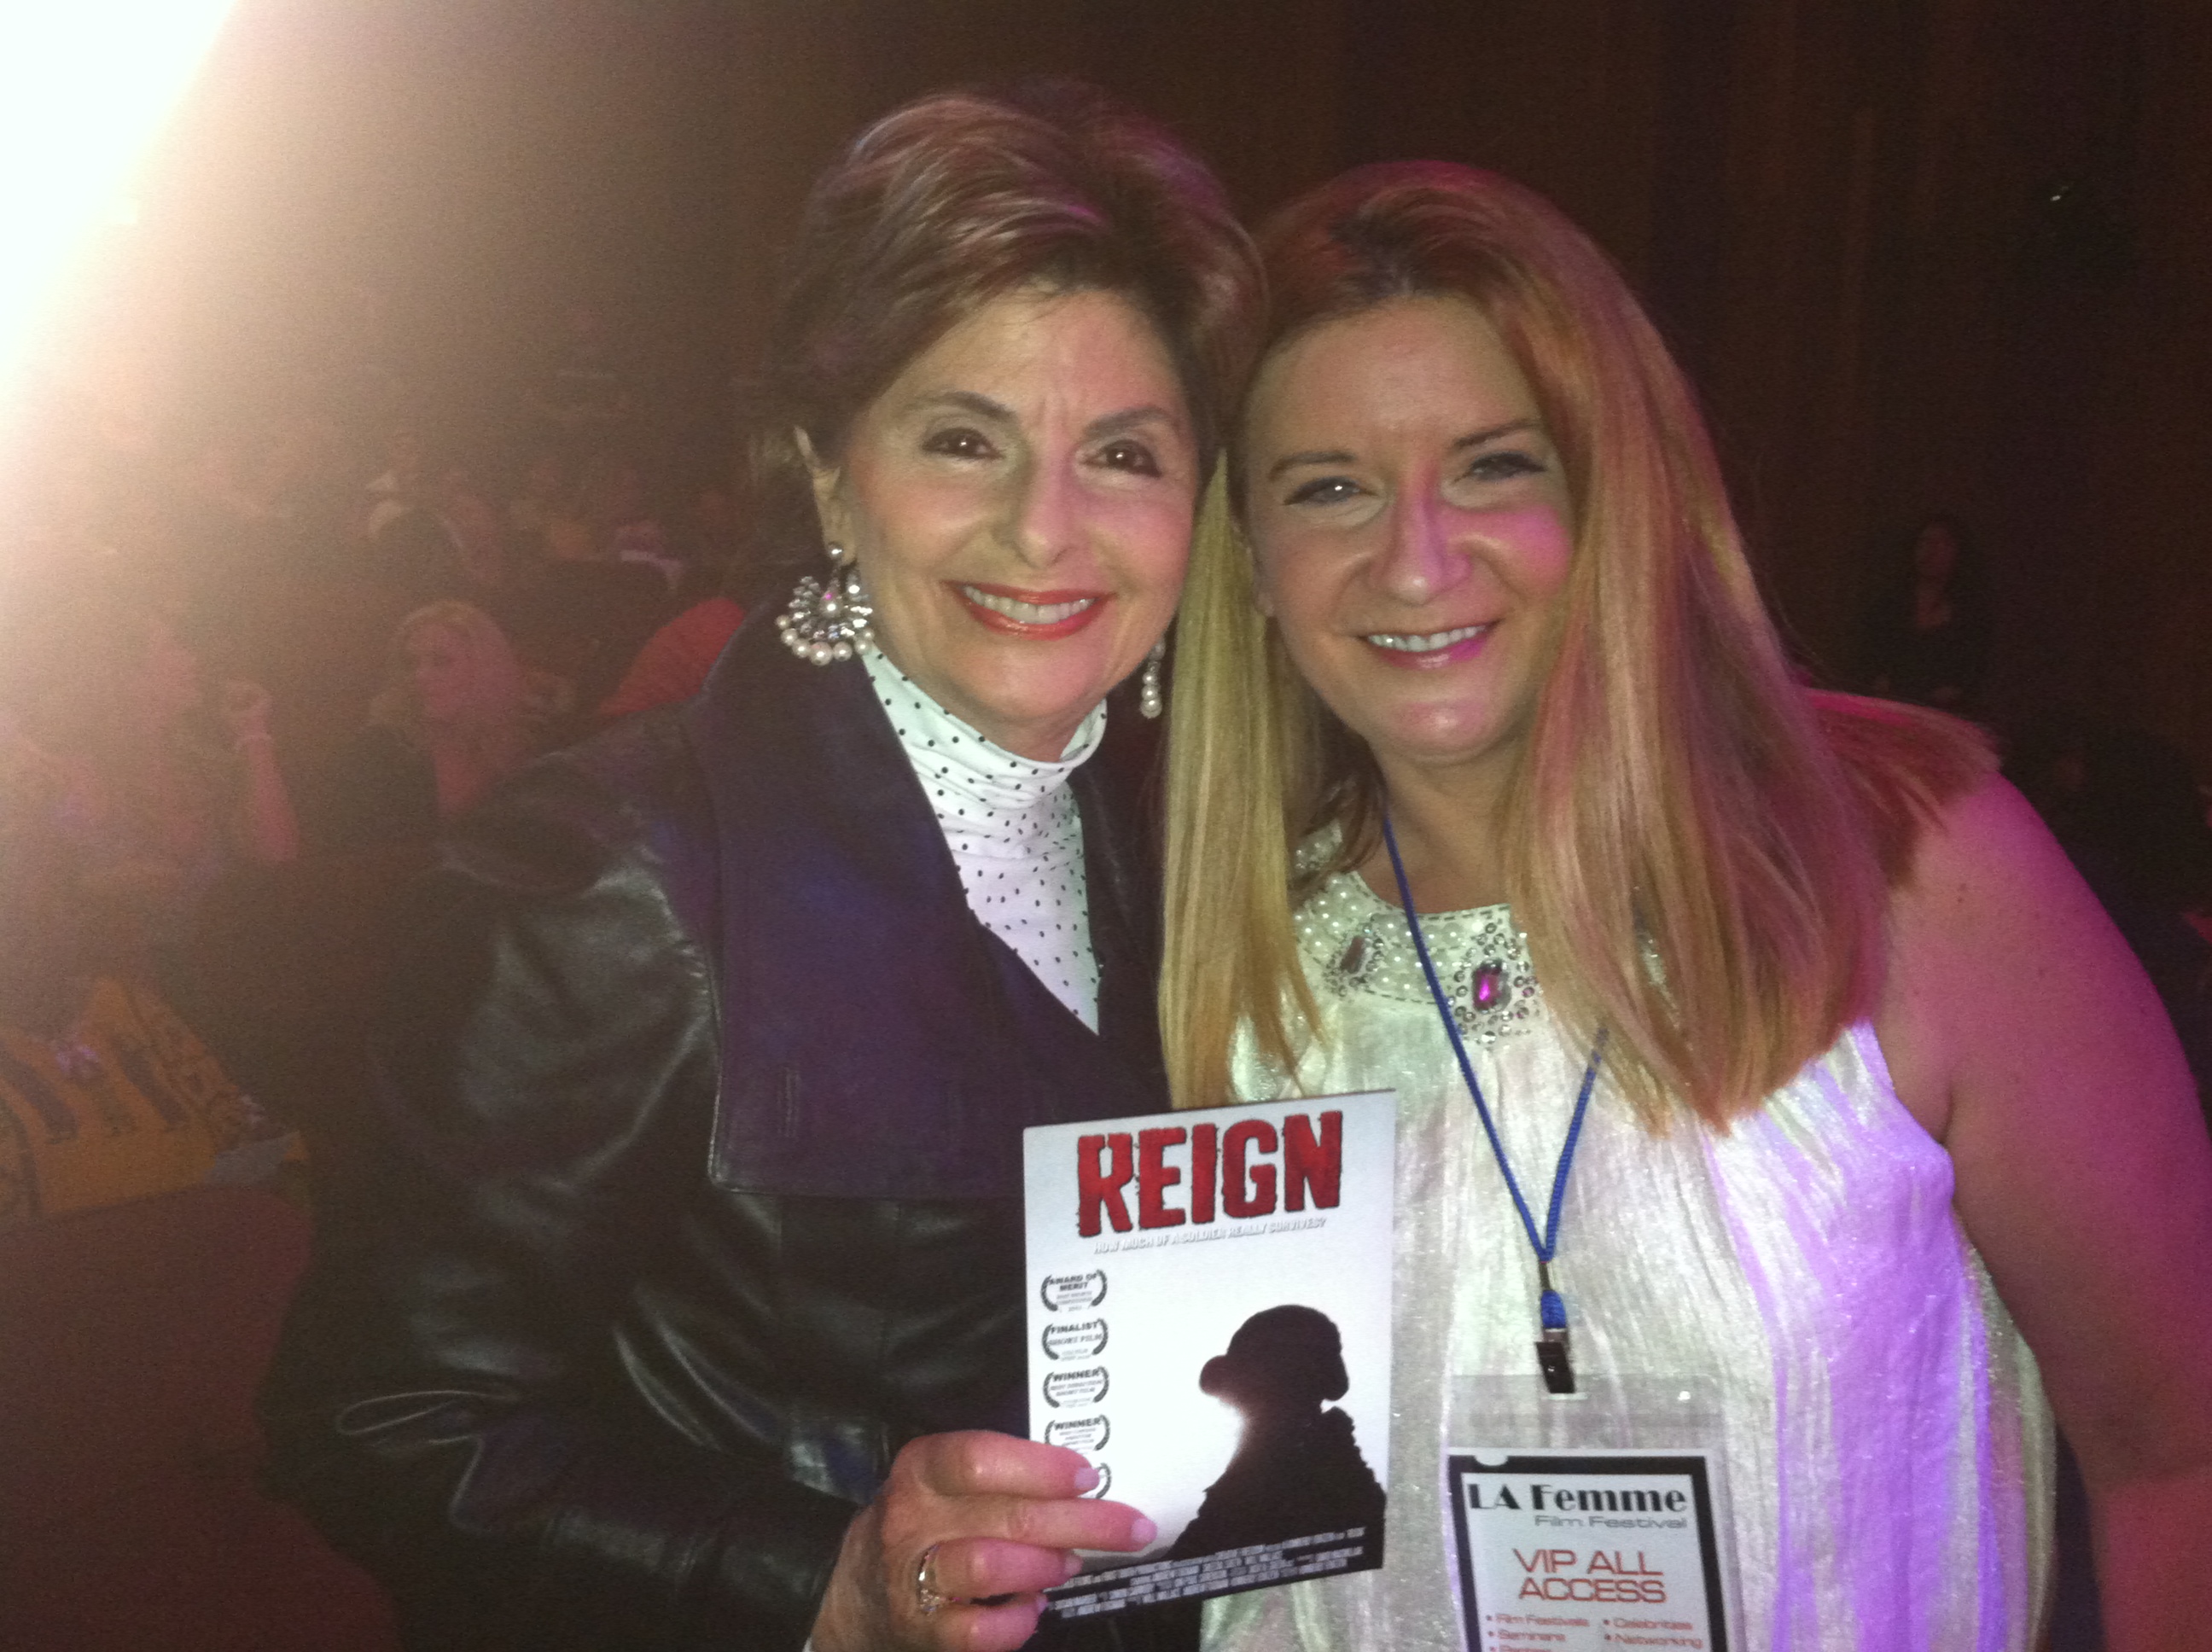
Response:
column 872, row 1044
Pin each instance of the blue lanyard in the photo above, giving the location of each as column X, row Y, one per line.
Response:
column 1551, row 1348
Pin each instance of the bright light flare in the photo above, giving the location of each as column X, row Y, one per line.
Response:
column 85, row 85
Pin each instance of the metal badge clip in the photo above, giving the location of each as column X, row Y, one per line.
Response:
column 1552, row 1356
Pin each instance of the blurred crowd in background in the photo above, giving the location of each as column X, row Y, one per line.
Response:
column 250, row 666
column 246, row 669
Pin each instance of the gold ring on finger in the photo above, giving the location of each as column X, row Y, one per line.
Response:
column 926, row 1597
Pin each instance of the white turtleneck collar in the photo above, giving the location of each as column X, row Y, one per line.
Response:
column 1012, row 827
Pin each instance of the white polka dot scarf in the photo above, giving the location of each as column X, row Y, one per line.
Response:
column 1012, row 827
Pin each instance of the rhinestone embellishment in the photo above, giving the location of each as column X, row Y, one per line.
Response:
column 1355, row 943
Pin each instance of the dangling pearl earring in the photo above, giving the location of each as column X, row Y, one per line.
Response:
column 1150, row 700
column 827, row 621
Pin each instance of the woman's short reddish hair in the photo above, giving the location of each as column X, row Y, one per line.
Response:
column 961, row 197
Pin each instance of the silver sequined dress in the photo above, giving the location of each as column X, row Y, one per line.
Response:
column 1885, row 1436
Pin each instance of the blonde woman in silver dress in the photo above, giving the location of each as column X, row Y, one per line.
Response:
column 1887, row 1138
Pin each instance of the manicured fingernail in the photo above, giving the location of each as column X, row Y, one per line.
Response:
column 1142, row 1531
column 1086, row 1477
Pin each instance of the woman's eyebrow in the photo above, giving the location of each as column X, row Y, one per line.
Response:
column 965, row 401
column 982, row 407
column 1339, row 456
column 1131, row 418
column 1511, row 427
column 1317, row 456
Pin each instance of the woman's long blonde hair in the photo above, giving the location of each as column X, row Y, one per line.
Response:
column 1680, row 797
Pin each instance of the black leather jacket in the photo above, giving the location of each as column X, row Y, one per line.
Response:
column 695, row 1189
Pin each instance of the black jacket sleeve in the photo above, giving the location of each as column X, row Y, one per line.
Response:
column 556, row 1376
column 451, row 1401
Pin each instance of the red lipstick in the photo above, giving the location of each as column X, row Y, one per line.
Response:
column 1059, row 613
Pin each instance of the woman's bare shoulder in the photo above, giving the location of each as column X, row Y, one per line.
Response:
column 1984, row 863
column 2023, row 1033
column 1996, row 949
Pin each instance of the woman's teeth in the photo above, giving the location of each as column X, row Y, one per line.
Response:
column 1423, row 645
column 1027, row 613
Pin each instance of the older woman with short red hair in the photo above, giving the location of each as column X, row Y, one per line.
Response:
column 680, row 1304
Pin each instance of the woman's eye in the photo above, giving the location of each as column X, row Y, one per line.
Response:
column 959, row 442
column 1324, row 490
column 1131, row 456
column 1504, row 466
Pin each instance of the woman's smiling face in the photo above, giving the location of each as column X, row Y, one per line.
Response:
column 1019, row 502
column 1411, row 528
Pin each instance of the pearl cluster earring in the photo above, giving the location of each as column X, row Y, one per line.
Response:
column 827, row 619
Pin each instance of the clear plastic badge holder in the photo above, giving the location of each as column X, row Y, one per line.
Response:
column 1599, row 1518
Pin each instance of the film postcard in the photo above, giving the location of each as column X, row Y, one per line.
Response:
column 1209, row 1319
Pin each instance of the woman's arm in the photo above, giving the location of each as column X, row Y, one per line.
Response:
column 2022, row 1032
column 262, row 822
column 452, row 1399
column 489, row 1390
